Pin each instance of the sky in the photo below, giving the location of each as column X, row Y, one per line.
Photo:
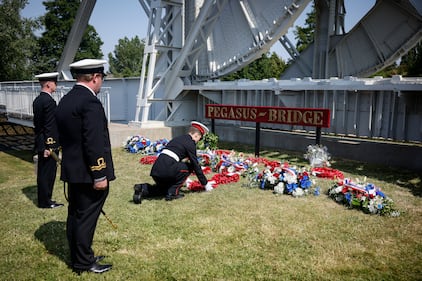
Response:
column 114, row 20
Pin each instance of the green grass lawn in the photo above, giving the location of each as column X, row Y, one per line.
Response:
column 230, row 233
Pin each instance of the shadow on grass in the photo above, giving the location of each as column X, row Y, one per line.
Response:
column 410, row 180
column 25, row 155
column 16, row 140
column 156, row 197
column 53, row 235
column 31, row 193
column 293, row 157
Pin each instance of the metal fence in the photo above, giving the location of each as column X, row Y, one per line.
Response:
column 18, row 100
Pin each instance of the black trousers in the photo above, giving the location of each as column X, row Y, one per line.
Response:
column 171, row 184
column 85, row 205
column 46, row 176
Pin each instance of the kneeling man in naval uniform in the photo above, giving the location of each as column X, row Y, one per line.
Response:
column 173, row 166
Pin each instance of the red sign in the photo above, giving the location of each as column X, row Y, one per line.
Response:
column 318, row 117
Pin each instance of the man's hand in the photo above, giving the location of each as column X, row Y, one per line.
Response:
column 101, row 185
column 46, row 153
column 208, row 186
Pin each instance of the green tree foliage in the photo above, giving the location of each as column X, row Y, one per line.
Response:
column 127, row 58
column 267, row 66
column 388, row 71
column 411, row 63
column 17, row 41
column 57, row 23
column 305, row 35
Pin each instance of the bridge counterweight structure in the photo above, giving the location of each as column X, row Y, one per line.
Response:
column 192, row 41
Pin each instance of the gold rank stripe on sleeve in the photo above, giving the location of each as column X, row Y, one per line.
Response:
column 101, row 165
column 50, row 140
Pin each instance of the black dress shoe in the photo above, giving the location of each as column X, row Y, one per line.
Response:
column 141, row 191
column 95, row 268
column 137, row 196
column 51, row 206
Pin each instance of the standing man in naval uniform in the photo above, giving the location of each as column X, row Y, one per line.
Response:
column 173, row 166
column 87, row 164
column 46, row 139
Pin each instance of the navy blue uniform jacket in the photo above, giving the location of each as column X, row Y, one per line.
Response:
column 45, row 128
column 184, row 147
column 84, row 137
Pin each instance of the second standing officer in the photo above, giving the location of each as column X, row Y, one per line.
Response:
column 46, row 139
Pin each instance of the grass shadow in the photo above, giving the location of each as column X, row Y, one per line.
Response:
column 293, row 157
column 31, row 193
column 17, row 140
column 408, row 179
column 155, row 198
column 53, row 235
column 25, row 155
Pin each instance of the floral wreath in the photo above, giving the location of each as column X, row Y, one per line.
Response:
column 229, row 166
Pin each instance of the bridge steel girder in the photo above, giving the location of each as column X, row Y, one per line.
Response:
column 163, row 44
column 220, row 37
column 75, row 37
column 388, row 31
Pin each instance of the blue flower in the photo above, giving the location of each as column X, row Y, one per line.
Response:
column 262, row 186
column 380, row 193
column 290, row 187
column 305, row 182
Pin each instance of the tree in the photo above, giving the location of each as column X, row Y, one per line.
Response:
column 411, row 63
column 57, row 23
column 305, row 35
column 388, row 71
column 267, row 66
column 17, row 41
column 127, row 59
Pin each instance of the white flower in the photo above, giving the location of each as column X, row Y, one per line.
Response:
column 290, row 178
column 372, row 209
column 271, row 179
column 231, row 169
column 279, row 188
column 298, row 192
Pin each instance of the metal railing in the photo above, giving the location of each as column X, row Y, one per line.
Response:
column 18, row 100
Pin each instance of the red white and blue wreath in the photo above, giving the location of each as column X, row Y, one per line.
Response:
column 143, row 145
column 364, row 196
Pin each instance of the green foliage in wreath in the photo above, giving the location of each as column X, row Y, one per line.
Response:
column 209, row 141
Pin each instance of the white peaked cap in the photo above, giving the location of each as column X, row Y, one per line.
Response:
column 201, row 127
column 87, row 66
column 47, row 76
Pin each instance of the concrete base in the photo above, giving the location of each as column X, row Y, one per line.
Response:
column 148, row 124
column 154, row 130
column 119, row 133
